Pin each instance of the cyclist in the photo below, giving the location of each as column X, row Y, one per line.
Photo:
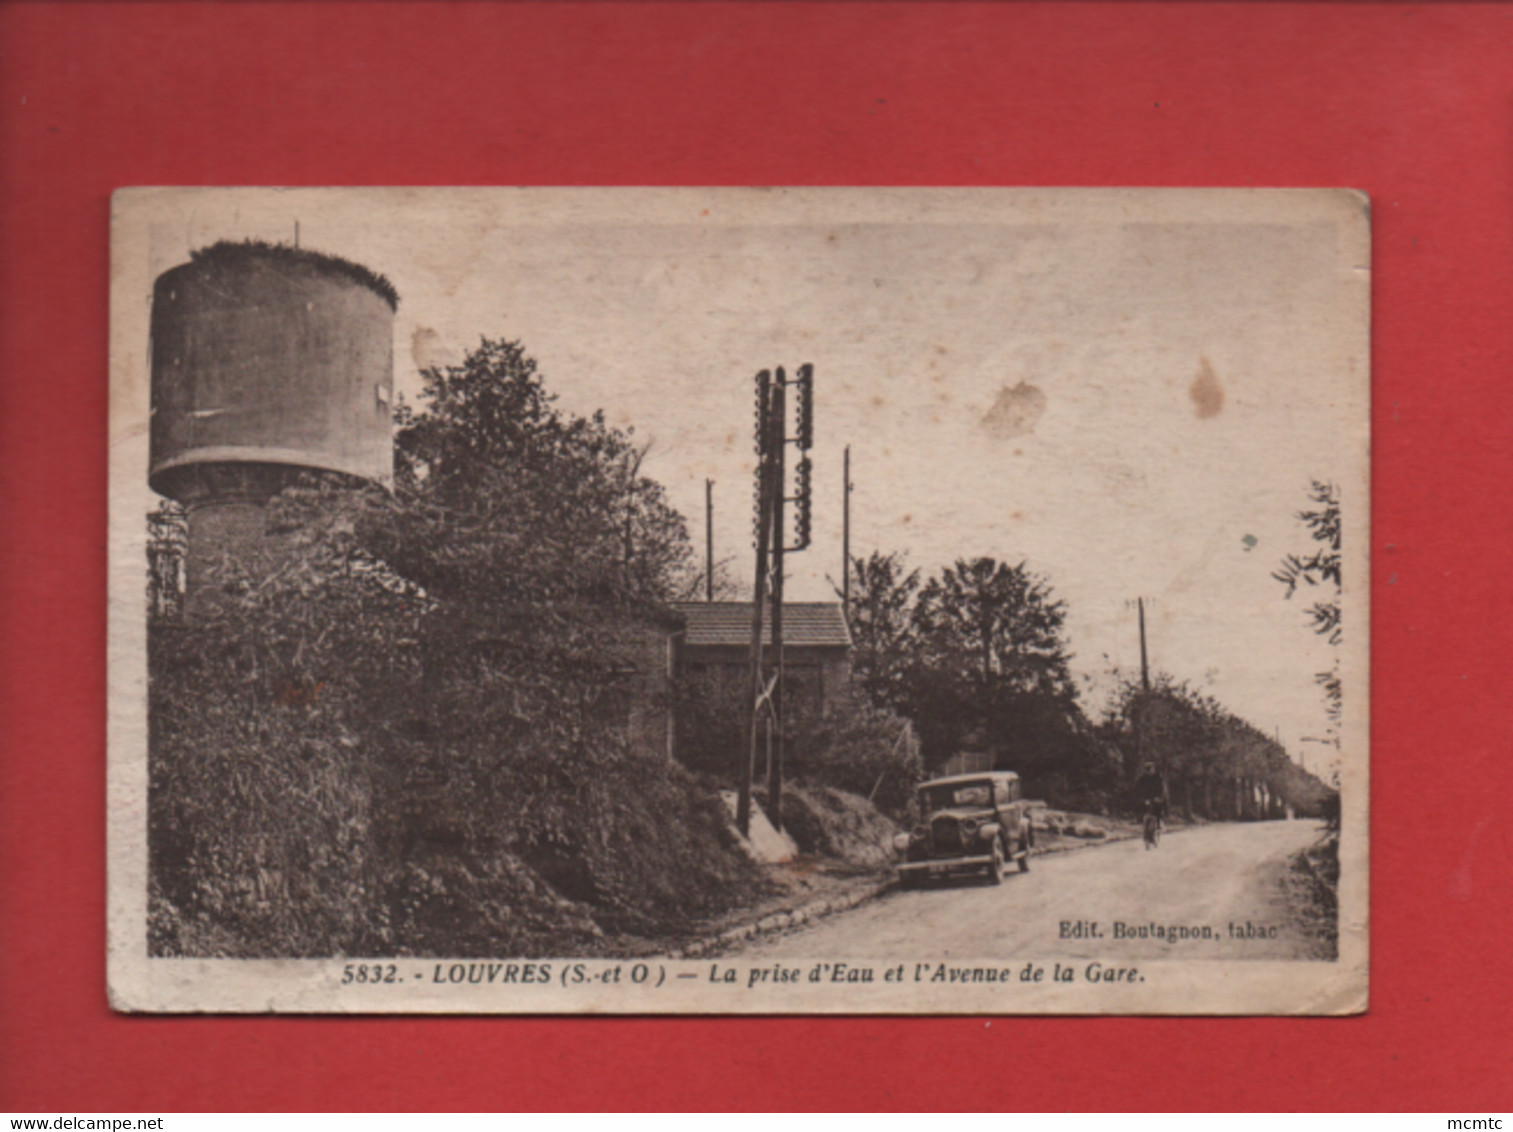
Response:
column 1150, row 791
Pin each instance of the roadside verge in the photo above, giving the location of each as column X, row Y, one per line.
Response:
column 847, row 892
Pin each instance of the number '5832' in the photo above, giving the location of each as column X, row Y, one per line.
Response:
column 370, row 973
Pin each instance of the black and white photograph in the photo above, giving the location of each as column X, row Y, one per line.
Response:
column 768, row 601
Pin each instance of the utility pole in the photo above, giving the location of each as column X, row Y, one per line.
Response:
column 709, row 540
column 1145, row 670
column 780, row 477
column 763, row 533
column 1145, row 692
column 772, row 498
column 846, row 536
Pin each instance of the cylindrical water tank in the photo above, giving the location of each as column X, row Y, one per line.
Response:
column 268, row 360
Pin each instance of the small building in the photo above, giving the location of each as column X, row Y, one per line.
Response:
column 675, row 680
column 716, row 643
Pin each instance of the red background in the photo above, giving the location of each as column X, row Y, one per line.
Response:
column 1411, row 104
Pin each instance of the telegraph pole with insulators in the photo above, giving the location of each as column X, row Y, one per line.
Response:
column 761, row 536
column 771, row 500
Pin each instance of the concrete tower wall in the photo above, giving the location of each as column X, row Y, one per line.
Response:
column 268, row 356
column 267, row 363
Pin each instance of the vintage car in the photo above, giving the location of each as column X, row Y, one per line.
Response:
column 969, row 823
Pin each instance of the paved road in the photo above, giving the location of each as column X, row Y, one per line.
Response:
column 1208, row 877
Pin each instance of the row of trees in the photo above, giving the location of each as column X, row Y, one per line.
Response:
column 1216, row 765
column 976, row 657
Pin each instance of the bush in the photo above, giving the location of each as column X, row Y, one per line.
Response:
column 304, row 802
column 826, row 822
column 260, row 809
column 635, row 838
column 863, row 750
column 712, row 726
column 440, row 903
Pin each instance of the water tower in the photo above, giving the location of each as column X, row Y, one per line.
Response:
column 268, row 363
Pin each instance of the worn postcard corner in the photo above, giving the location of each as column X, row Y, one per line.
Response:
column 739, row 601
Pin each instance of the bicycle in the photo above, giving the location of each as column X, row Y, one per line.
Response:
column 1152, row 827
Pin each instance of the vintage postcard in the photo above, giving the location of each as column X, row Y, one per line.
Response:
column 739, row 601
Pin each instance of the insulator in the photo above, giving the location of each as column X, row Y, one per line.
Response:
column 804, row 472
column 804, row 388
column 801, row 522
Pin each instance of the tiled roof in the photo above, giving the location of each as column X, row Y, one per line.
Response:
column 813, row 623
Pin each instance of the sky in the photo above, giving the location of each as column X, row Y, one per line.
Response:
column 1130, row 391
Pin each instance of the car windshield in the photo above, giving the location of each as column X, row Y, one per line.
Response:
column 958, row 794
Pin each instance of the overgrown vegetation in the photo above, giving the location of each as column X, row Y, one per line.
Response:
column 711, row 726
column 1321, row 570
column 405, row 739
column 237, row 251
column 862, row 749
column 845, row 742
column 1316, row 871
column 826, row 822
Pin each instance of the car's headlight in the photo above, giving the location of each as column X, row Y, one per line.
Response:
column 969, row 828
column 920, row 833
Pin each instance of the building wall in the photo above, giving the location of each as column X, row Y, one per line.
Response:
column 640, row 696
column 829, row 666
column 710, row 735
column 837, row 675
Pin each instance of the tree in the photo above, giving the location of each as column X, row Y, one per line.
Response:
column 996, row 624
column 989, row 658
column 540, row 545
column 881, row 619
column 496, row 488
column 1321, row 569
